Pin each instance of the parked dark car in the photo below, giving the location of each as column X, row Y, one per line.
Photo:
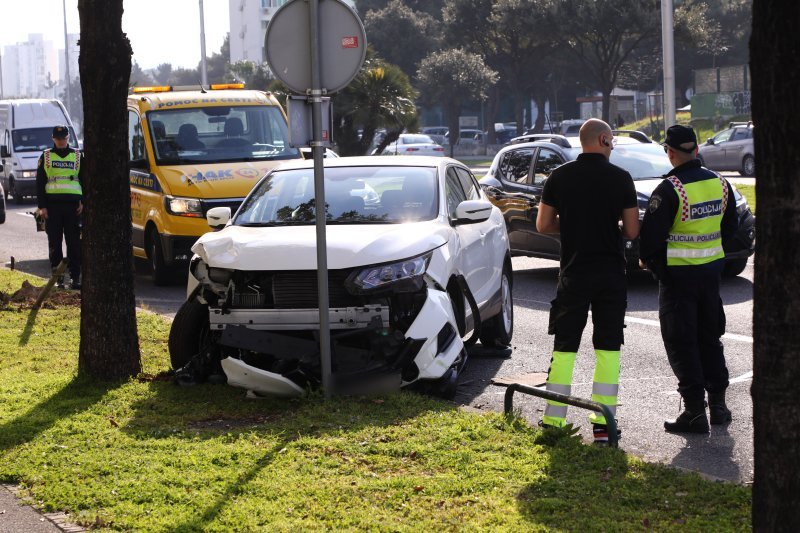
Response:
column 2, row 205
column 516, row 178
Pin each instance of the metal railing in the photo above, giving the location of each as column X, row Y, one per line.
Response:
column 611, row 424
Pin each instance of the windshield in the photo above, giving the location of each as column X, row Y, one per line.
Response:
column 37, row 139
column 642, row 161
column 217, row 134
column 353, row 195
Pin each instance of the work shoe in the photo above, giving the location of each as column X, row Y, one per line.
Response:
column 600, row 432
column 688, row 422
column 717, row 410
column 76, row 284
column 59, row 280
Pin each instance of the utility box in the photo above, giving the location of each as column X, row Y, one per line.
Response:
column 301, row 131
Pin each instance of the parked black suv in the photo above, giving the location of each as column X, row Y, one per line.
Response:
column 516, row 178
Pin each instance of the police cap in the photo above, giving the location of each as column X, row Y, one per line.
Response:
column 60, row 132
column 681, row 138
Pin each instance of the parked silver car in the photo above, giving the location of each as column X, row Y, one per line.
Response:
column 731, row 149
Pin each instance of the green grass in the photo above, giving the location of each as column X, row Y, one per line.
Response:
column 145, row 455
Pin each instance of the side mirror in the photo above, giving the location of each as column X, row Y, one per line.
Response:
column 1, row 167
column 710, row 140
column 217, row 217
column 4, row 151
column 139, row 164
column 473, row 211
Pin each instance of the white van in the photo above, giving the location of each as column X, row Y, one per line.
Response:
column 26, row 128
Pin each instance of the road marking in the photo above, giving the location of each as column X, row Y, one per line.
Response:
column 648, row 322
column 25, row 215
column 744, row 377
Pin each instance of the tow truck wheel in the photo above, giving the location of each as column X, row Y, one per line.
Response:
column 189, row 333
column 162, row 274
column 12, row 190
column 497, row 331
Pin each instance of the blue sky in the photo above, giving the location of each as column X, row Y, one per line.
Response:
column 160, row 31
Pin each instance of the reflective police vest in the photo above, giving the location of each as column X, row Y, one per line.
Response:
column 695, row 237
column 62, row 173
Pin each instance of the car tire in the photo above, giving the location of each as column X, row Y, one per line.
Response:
column 189, row 333
column 18, row 198
column 734, row 267
column 162, row 274
column 748, row 166
column 3, row 216
column 497, row 331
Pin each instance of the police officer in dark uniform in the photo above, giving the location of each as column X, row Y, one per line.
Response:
column 59, row 176
column 689, row 220
column 584, row 201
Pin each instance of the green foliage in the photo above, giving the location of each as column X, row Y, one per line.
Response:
column 402, row 36
column 380, row 96
column 145, row 455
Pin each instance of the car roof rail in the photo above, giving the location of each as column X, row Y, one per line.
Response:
column 634, row 134
column 749, row 124
column 558, row 140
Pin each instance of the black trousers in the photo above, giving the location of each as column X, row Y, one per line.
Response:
column 606, row 294
column 692, row 322
column 63, row 220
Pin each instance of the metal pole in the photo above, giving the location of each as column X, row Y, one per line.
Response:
column 669, row 63
column 203, row 71
column 66, row 55
column 317, row 149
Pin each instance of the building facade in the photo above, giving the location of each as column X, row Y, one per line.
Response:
column 30, row 69
column 249, row 19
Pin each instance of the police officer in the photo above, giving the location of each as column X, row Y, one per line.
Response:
column 584, row 200
column 59, row 193
column 691, row 214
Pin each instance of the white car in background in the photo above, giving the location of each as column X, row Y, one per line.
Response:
column 414, row 144
column 413, row 277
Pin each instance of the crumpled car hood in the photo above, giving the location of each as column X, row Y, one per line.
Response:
column 295, row 247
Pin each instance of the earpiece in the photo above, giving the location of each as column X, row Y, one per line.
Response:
column 605, row 143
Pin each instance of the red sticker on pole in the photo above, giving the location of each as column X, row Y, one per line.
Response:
column 350, row 42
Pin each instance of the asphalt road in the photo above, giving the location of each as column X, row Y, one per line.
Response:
column 647, row 384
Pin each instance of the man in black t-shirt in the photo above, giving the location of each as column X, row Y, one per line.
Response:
column 584, row 201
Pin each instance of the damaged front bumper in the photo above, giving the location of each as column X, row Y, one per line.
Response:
column 387, row 341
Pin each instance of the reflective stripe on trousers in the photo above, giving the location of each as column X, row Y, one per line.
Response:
column 605, row 388
column 559, row 379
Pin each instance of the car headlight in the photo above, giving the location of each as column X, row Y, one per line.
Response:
column 183, row 207
column 402, row 276
column 28, row 174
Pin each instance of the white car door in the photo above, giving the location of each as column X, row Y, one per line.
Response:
column 476, row 255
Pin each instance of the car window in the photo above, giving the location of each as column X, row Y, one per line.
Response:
column 453, row 191
column 353, row 195
column 468, row 184
column 740, row 134
column 722, row 136
column 415, row 139
column 547, row 161
column 135, row 137
column 516, row 165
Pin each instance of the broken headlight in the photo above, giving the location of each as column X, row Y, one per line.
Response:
column 402, row 276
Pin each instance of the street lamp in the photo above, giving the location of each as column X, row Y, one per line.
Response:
column 669, row 63
column 203, row 72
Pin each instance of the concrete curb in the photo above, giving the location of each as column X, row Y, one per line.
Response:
column 25, row 517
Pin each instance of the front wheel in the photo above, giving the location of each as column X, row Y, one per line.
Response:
column 162, row 274
column 748, row 166
column 497, row 331
column 190, row 333
column 12, row 190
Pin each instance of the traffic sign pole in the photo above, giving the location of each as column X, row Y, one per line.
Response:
column 317, row 149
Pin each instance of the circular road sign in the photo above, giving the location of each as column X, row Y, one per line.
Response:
column 342, row 45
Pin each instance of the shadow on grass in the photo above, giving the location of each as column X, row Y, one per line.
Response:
column 598, row 489
column 77, row 396
column 220, row 411
column 26, row 332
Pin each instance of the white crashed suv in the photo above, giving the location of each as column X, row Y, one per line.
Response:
column 419, row 265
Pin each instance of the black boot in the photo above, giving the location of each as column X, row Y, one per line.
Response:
column 692, row 420
column 718, row 411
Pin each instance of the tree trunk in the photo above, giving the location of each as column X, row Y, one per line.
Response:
column 109, row 345
column 775, row 68
column 453, row 109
